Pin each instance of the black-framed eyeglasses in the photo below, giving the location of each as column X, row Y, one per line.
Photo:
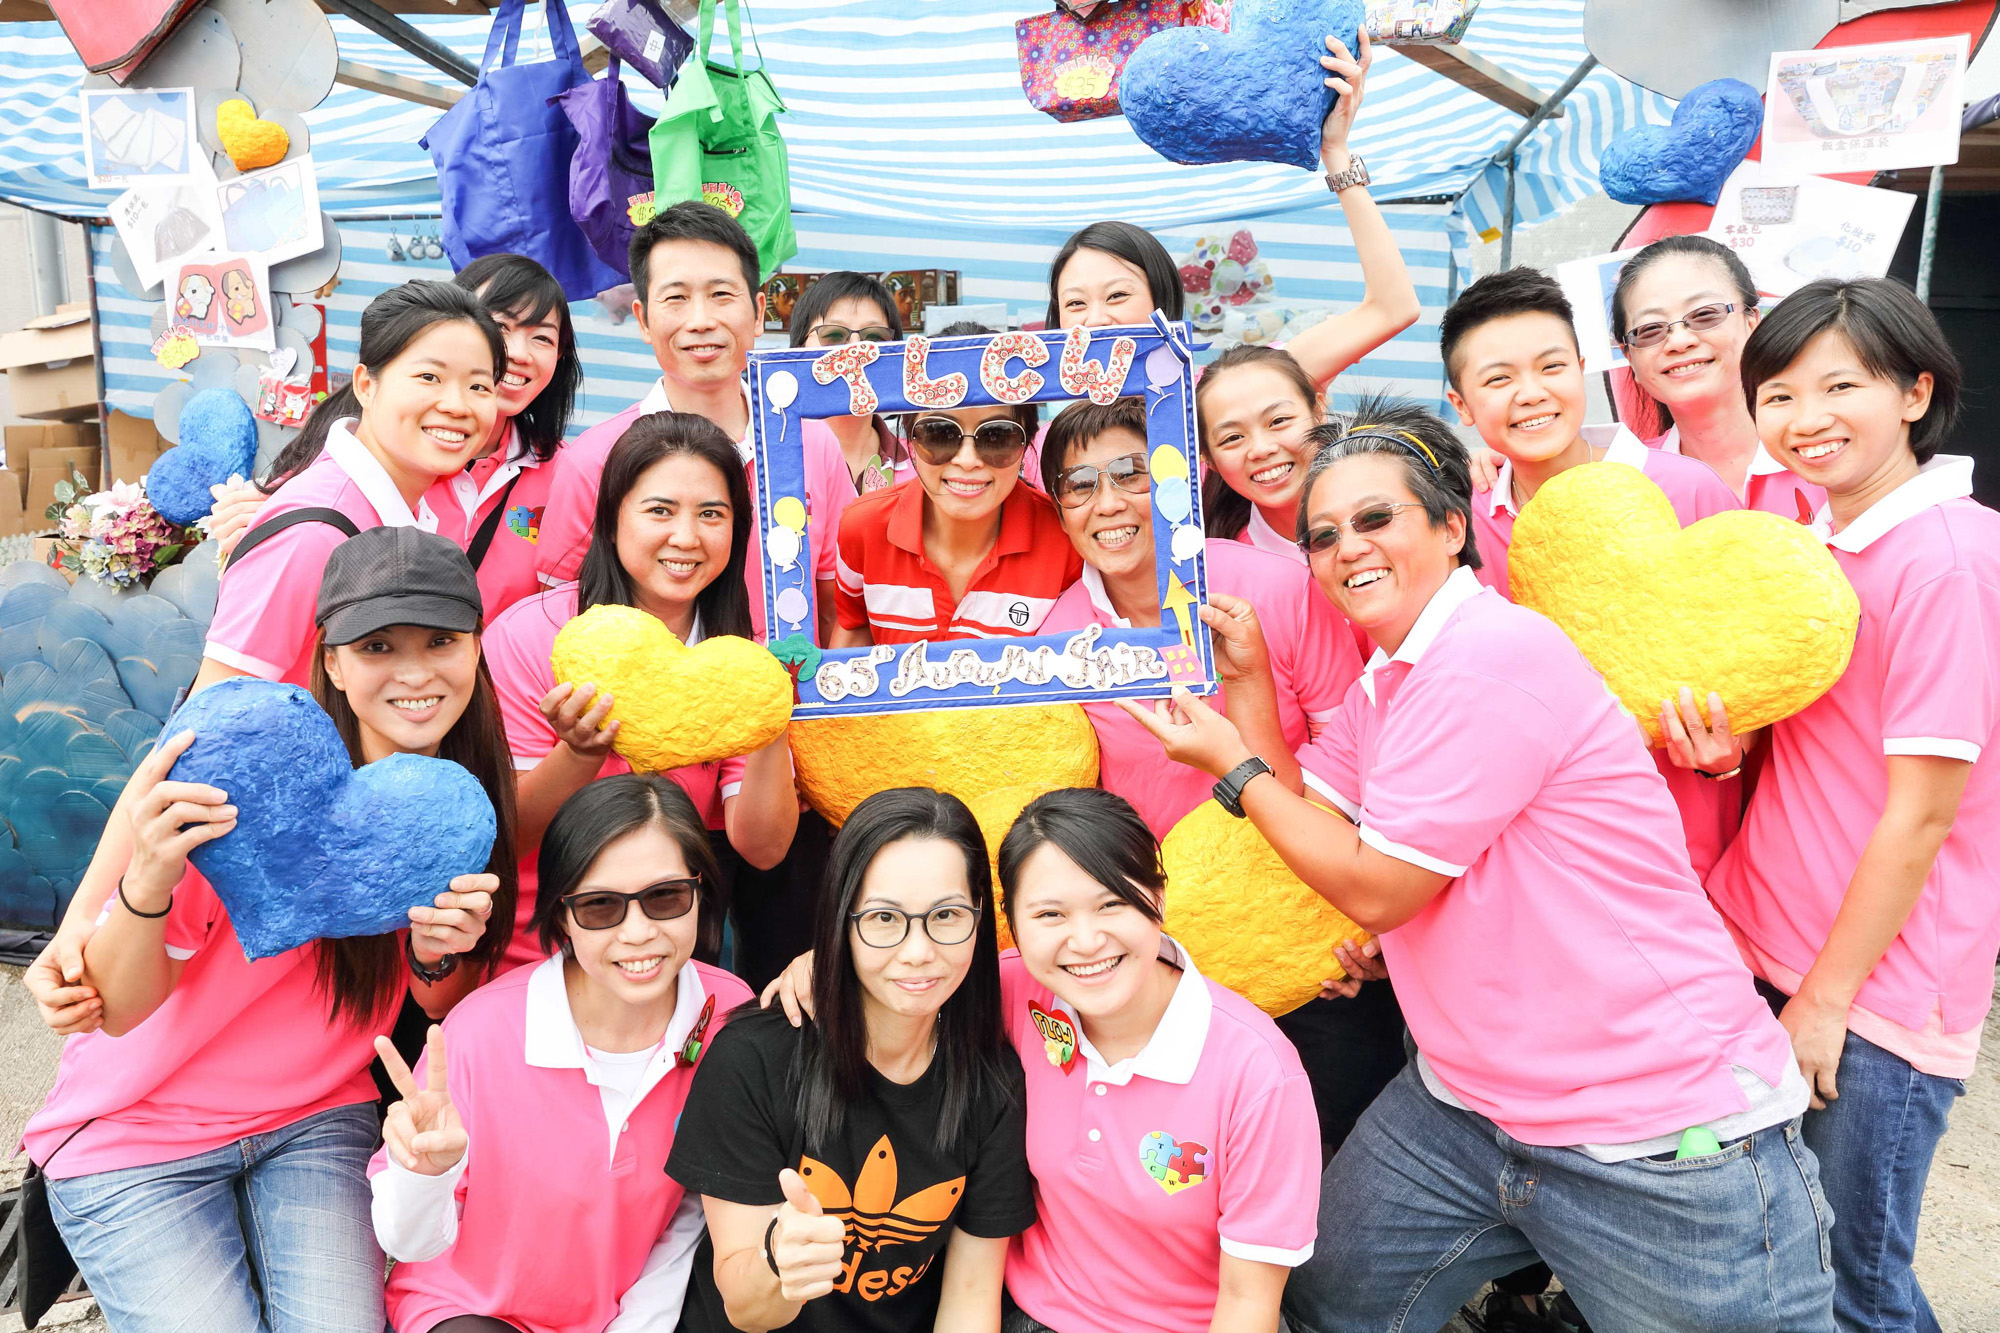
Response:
column 1000, row 442
column 1697, row 319
column 887, row 927
column 833, row 335
column 1372, row 519
column 1077, row 486
column 604, row 909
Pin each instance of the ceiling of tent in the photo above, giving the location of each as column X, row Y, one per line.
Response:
column 912, row 110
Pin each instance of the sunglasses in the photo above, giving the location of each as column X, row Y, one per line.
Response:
column 887, row 927
column 1077, row 486
column 1697, row 319
column 833, row 335
column 1000, row 443
column 602, row 909
column 1321, row 540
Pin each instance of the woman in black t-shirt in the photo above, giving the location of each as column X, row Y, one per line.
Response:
column 866, row 1170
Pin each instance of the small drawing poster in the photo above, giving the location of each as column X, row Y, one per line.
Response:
column 1865, row 108
column 273, row 213
column 163, row 224
column 132, row 135
column 1789, row 231
column 1589, row 283
column 224, row 300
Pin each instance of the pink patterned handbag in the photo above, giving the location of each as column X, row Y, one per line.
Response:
column 1070, row 65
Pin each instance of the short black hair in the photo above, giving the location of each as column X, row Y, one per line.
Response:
column 1893, row 333
column 597, row 815
column 522, row 289
column 842, row 285
column 1512, row 291
column 1435, row 465
column 1101, row 833
column 1137, row 247
column 691, row 220
column 1080, row 423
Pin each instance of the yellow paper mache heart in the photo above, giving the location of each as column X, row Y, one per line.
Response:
column 251, row 143
column 675, row 705
column 996, row 812
column 1745, row 604
column 969, row 752
column 1250, row 923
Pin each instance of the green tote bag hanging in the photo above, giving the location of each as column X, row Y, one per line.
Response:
column 718, row 142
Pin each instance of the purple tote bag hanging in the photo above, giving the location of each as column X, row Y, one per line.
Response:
column 503, row 159
column 612, row 172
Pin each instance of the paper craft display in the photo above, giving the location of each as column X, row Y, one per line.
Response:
column 1419, row 22
column 1238, row 907
column 970, row 752
column 250, row 142
column 1712, row 128
column 1791, row 232
column 996, row 812
column 1254, row 94
column 675, row 705
column 224, row 301
column 176, row 347
column 1222, row 272
column 273, row 214
column 163, row 224
column 794, row 385
column 1745, row 604
column 218, row 440
column 1589, row 283
column 1866, row 108
column 321, row 849
column 130, row 136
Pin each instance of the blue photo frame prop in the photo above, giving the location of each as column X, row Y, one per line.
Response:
column 1154, row 362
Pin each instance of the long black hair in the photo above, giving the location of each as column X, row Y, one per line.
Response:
column 1225, row 511
column 1734, row 271
column 522, row 289
column 600, row 813
column 724, row 605
column 1137, row 247
column 389, row 324
column 972, row 1049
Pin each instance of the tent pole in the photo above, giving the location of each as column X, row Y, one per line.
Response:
column 46, row 259
column 398, row 33
column 1506, row 157
column 1507, row 219
column 1933, row 205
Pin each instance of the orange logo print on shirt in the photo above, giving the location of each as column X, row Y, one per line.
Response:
column 876, row 1220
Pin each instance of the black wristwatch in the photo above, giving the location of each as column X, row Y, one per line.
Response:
column 1229, row 791
column 428, row 973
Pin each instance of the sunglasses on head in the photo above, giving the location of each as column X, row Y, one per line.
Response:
column 833, row 335
column 1697, row 319
column 1077, row 486
column 1000, row 443
column 603, row 909
column 1372, row 519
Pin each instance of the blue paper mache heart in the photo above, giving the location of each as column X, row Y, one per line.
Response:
column 1254, row 94
column 1688, row 160
column 321, row 849
column 218, row 441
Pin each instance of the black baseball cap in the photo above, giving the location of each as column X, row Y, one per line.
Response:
column 397, row 576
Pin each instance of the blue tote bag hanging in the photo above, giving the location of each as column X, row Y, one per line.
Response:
column 503, row 159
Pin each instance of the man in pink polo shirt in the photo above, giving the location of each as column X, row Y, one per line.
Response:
column 1597, row 1083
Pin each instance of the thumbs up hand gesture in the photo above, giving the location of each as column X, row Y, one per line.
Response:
column 423, row 1132
column 806, row 1245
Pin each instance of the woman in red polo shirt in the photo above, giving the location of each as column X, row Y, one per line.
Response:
column 962, row 550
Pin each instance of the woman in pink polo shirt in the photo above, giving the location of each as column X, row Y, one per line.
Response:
column 1094, row 465
column 1596, row 1081
column 1861, row 888
column 672, row 530
column 600, row 1039
column 206, row 1149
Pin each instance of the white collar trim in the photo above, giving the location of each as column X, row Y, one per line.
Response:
column 1620, row 445
column 1761, row 462
column 1945, row 477
column 656, row 401
column 1265, row 537
column 1461, row 587
column 1172, row 1052
column 1100, row 598
column 554, row 1041
column 362, row 468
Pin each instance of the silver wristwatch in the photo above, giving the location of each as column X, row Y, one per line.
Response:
column 1356, row 174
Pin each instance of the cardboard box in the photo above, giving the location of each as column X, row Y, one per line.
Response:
column 13, row 501
column 46, row 467
column 44, row 547
column 134, row 444
column 23, row 440
column 51, row 366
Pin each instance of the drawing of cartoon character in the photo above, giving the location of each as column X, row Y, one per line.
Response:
column 197, row 293
column 241, row 293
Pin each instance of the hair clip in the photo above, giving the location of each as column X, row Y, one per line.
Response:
column 1398, row 436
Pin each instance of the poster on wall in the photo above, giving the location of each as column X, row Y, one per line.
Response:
column 166, row 223
column 273, row 213
column 1791, row 230
column 1589, row 283
column 1865, row 108
column 224, row 300
column 138, row 135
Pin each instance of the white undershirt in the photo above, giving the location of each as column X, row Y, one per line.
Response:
column 619, row 1074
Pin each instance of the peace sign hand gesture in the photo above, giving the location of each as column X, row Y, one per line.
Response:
column 423, row 1132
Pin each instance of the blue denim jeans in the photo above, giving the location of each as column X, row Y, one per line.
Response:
column 1425, row 1203
column 189, row 1245
column 1875, row 1142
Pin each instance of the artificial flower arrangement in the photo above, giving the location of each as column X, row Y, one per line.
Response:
column 114, row 536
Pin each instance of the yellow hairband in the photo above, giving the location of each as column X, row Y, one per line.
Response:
column 1385, row 432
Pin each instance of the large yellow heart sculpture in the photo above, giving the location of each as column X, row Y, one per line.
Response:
column 675, row 705
column 996, row 812
column 251, row 143
column 1745, row 604
column 1250, row 923
column 968, row 752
